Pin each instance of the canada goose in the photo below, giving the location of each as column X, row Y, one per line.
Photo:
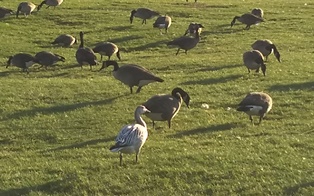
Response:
column 5, row 12
column 143, row 13
column 26, row 8
column 21, row 60
column 165, row 107
column 85, row 55
column 256, row 104
column 254, row 60
column 107, row 49
column 65, row 40
column 258, row 12
column 248, row 19
column 193, row 28
column 48, row 58
column 53, row 3
column 131, row 138
column 186, row 43
column 266, row 47
column 131, row 75
column 162, row 22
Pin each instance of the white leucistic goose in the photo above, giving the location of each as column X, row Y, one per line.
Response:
column 131, row 75
column 248, row 19
column 21, row 60
column 266, row 47
column 253, row 60
column 85, row 55
column 165, row 107
column 143, row 13
column 256, row 104
column 131, row 138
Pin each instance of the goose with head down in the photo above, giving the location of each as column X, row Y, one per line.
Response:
column 266, row 47
column 166, row 107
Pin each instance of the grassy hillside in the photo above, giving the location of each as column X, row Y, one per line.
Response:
column 57, row 124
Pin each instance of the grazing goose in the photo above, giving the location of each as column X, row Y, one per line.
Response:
column 258, row 12
column 53, row 3
column 162, row 22
column 85, row 55
column 107, row 49
column 21, row 60
column 266, row 47
column 254, row 60
column 131, row 75
column 193, row 28
column 248, row 19
column 131, row 138
column 185, row 43
column 48, row 59
column 65, row 40
column 25, row 8
column 256, row 104
column 5, row 12
column 143, row 13
column 165, row 107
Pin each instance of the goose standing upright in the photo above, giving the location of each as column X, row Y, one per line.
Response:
column 25, row 8
column 131, row 138
column 22, row 60
column 256, row 104
column 166, row 107
column 53, row 3
column 131, row 75
column 107, row 49
column 186, row 43
column 85, row 55
column 65, row 40
column 253, row 60
column 162, row 22
column 248, row 19
column 143, row 13
column 266, row 47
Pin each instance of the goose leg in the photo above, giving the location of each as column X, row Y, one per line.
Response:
column 143, row 21
column 260, row 119
column 131, row 89
column 120, row 159
column 101, row 57
column 248, row 70
column 247, row 27
column 178, row 51
column 136, row 157
column 251, row 119
column 138, row 89
column 169, row 124
column 186, row 51
column 153, row 124
column 257, row 70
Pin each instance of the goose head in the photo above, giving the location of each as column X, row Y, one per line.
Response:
column 132, row 16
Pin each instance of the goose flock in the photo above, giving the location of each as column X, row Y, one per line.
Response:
column 161, row 107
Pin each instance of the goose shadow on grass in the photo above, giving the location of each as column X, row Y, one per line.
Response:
column 121, row 39
column 213, row 80
column 293, row 86
column 202, row 130
column 49, row 188
column 217, row 68
column 57, row 109
column 294, row 189
column 82, row 144
column 149, row 45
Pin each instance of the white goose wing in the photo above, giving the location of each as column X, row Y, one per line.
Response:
column 130, row 135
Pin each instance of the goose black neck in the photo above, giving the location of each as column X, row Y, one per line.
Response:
column 82, row 40
column 113, row 63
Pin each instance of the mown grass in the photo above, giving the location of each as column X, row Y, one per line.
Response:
column 57, row 124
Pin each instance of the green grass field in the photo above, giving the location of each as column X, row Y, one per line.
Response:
column 57, row 124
